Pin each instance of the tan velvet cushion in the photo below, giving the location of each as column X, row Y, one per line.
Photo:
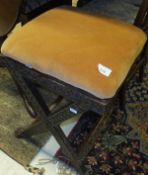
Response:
column 70, row 45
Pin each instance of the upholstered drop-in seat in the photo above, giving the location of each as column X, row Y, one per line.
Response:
column 93, row 53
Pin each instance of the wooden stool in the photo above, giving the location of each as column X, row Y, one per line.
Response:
column 84, row 58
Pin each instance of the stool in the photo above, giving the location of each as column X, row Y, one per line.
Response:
column 84, row 58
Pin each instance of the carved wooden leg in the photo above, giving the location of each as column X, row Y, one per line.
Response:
column 36, row 128
column 145, row 57
column 141, row 70
column 2, row 63
column 122, row 98
column 100, row 126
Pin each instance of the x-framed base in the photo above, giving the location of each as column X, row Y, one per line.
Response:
column 79, row 102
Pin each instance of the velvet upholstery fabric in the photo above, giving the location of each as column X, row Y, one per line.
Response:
column 69, row 45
